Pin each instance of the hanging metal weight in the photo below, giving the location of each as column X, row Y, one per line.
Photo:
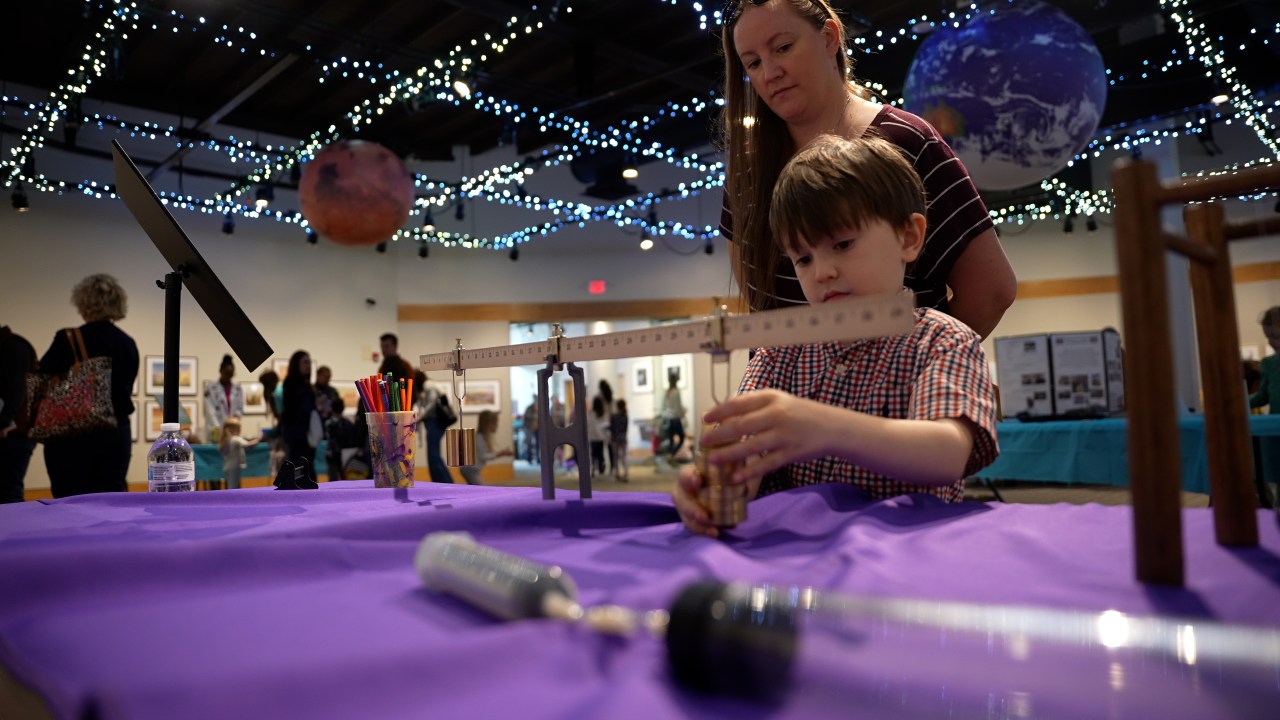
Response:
column 459, row 442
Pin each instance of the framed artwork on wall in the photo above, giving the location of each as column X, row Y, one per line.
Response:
column 255, row 403
column 642, row 378
column 153, row 370
column 676, row 366
column 153, row 416
column 482, row 395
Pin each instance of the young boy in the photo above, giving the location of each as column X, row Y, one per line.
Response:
column 891, row 415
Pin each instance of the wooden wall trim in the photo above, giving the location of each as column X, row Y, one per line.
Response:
column 563, row 312
column 697, row 307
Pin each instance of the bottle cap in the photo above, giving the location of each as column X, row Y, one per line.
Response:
column 170, row 427
column 721, row 639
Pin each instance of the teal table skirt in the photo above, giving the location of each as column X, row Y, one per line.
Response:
column 257, row 459
column 1095, row 452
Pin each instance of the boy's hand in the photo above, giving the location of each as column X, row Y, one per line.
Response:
column 765, row 430
column 692, row 512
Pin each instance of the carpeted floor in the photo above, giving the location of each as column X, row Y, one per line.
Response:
column 645, row 477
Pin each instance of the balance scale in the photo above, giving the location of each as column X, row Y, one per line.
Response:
column 716, row 334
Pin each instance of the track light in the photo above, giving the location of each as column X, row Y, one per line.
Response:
column 646, row 243
column 264, row 196
column 428, row 222
column 629, row 169
column 20, row 202
column 461, row 212
column 228, row 223
column 709, row 248
column 382, row 246
column 462, row 87
column 1090, row 224
column 422, row 251
column 312, row 238
column 515, row 254
column 1068, row 225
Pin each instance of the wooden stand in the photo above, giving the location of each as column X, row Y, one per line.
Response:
column 1154, row 469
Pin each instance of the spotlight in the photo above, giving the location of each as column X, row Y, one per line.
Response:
column 709, row 248
column 428, row 222
column 312, row 238
column 382, row 246
column 515, row 254
column 422, row 251
column 20, row 202
column 462, row 88
column 629, row 169
column 1090, row 224
column 521, row 192
column 645, row 242
column 1220, row 98
column 461, row 212
column 228, row 223
column 1068, row 225
column 263, row 197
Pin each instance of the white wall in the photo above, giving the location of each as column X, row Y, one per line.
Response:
column 314, row 297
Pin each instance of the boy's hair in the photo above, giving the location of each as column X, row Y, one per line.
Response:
column 1270, row 317
column 834, row 184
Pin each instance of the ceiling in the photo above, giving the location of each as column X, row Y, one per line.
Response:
column 603, row 62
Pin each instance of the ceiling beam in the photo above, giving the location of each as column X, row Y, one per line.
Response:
column 222, row 112
column 502, row 12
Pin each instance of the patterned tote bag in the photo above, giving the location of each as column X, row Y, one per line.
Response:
column 76, row 403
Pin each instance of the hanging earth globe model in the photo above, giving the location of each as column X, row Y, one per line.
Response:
column 355, row 193
column 1016, row 93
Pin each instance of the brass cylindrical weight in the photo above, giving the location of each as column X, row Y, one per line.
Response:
column 726, row 503
column 460, row 446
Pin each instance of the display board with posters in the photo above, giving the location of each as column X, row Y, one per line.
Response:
column 1060, row 375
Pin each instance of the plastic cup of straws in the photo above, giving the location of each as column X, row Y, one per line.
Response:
column 391, row 442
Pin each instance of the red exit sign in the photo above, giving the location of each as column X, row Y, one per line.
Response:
column 595, row 287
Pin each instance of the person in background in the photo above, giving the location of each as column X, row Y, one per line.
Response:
column 222, row 399
column 97, row 461
column 271, row 432
column 618, row 422
column 786, row 68
column 1269, row 368
column 606, row 394
column 597, row 434
column 531, row 432
column 486, row 426
column 17, row 358
column 427, row 398
column 232, row 446
column 399, row 368
column 892, row 415
column 673, row 413
column 341, row 434
column 299, row 404
column 326, row 394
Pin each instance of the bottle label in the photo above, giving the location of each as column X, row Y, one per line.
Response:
column 171, row 473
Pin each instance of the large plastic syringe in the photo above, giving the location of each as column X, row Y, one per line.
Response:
column 947, row 658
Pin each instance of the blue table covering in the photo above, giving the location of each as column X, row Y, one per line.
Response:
column 257, row 461
column 1096, row 451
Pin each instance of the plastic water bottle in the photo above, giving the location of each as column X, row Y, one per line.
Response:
column 171, row 463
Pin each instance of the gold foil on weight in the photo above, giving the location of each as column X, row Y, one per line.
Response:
column 726, row 503
column 460, row 446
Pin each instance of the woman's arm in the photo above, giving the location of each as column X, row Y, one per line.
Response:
column 982, row 283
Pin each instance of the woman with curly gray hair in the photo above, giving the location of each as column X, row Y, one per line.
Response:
column 96, row 461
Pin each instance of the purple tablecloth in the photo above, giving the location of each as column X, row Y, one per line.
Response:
column 265, row 603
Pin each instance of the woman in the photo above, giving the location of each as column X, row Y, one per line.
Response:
column 486, row 426
column 299, row 405
column 223, row 399
column 792, row 56
column 97, row 461
column 433, row 430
